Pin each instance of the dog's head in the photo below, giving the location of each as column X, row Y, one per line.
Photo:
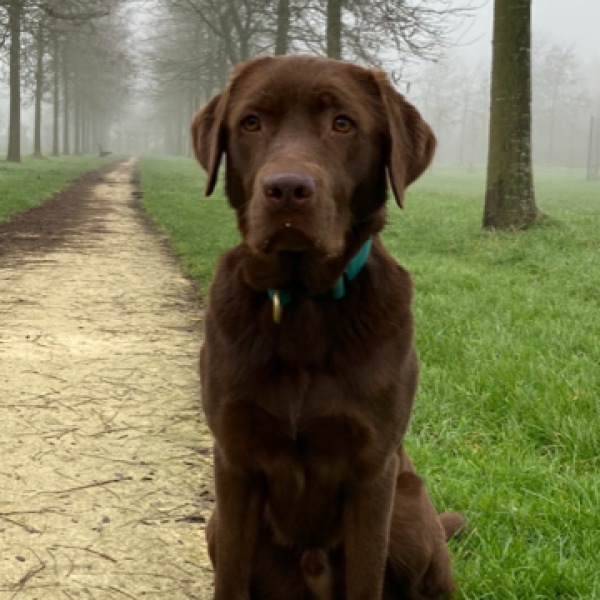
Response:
column 307, row 143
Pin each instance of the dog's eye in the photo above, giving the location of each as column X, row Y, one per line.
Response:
column 342, row 124
column 251, row 123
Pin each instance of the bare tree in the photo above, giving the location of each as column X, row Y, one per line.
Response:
column 66, row 97
column 334, row 29
column 15, row 12
column 358, row 30
column 557, row 91
column 372, row 29
column 437, row 96
column 39, row 87
column 283, row 27
column 35, row 18
column 56, row 94
column 509, row 199
column 236, row 23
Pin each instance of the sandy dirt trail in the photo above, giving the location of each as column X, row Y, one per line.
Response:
column 104, row 460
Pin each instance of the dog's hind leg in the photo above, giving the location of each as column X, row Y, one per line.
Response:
column 211, row 542
column 419, row 564
column 453, row 524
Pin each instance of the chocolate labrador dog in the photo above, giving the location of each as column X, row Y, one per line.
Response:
column 308, row 367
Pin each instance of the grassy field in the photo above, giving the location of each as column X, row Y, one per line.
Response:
column 506, row 426
column 25, row 185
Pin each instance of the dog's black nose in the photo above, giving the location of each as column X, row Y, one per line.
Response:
column 288, row 188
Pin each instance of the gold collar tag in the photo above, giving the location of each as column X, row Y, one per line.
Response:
column 277, row 308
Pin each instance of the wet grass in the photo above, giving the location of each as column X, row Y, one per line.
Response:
column 28, row 184
column 200, row 228
column 508, row 330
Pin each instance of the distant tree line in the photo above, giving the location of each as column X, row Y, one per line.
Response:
column 129, row 75
column 197, row 42
column 82, row 57
column 72, row 54
column 454, row 95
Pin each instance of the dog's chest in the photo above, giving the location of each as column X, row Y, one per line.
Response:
column 307, row 471
column 313, row 423
column 304, row 436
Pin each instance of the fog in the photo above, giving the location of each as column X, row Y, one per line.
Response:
column 130, row 78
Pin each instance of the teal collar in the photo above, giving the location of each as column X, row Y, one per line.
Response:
column 338, row 291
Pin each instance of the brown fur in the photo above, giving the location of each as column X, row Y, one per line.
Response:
column 315, row 495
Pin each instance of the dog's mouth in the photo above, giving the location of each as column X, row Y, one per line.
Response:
column 290, row 239
column 300, row 248
column 296, row 235
column 293, row 258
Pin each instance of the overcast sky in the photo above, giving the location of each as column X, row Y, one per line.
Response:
column 575, row 22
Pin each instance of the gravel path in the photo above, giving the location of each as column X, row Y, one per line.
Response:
column 105, row 463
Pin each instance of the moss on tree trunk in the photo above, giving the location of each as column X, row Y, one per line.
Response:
column 509, row 199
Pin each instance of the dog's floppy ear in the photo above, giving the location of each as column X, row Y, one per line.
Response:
column 411, row 142
column 209, row 137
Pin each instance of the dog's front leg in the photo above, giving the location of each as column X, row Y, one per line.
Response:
column 367, row 514
column 239, row 507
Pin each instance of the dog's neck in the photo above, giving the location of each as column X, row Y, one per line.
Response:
column 284, row 295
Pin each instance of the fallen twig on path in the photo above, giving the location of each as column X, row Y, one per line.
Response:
column 27, row 528
column 29, row 575
column 100, row 554
column 90, row 485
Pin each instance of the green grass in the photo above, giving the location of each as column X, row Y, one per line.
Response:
column 28, row 184
column 200, row 228
column 506, row 422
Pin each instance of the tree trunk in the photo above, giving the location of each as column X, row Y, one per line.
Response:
column 94, row 133
column 551, row 141
column 463, row 129
column 77, row 118
column 283, row 27
column 14, row 136
column 228, row 29
column 84, row 136
column 334, row 29
column 590, row 161
column 509, row 198
column 39, row 90
column 106, row 127
column 66, row 101
column 55, row 125
column 181, row 128
column 551, row 131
